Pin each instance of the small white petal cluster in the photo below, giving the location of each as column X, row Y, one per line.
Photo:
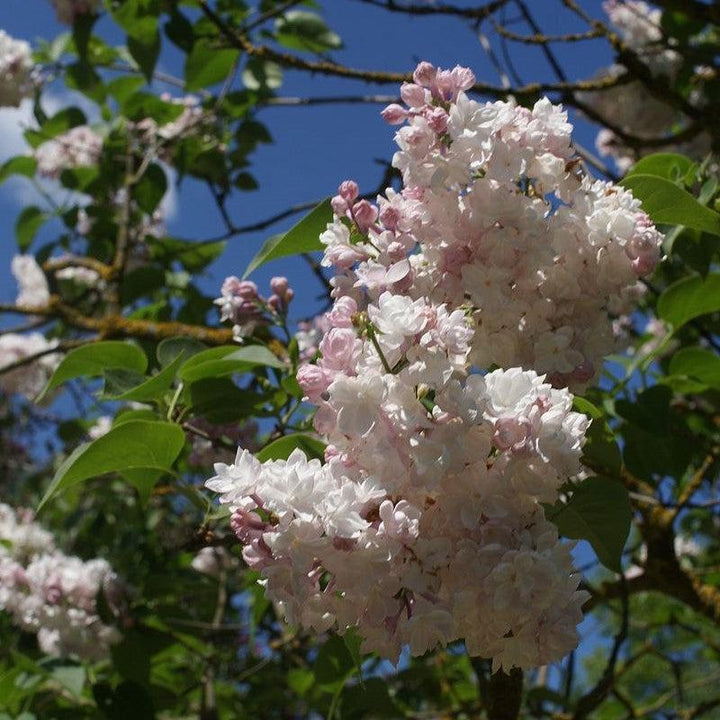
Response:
column 28, row 379
column 69, row 10
column 52, row 594
column 16, row 69
column 78, row 147
column 424, row 525
column 192, row 118
column 630, row 106
column 32, row 284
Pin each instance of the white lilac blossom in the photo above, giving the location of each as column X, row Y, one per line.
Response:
column 424, row 525
column 30, row 378
column 32, row 284
column 630, row 106
column 78, row 147
column 192, row 120
column 52, row 594
column 16, row 70
column 69, row 10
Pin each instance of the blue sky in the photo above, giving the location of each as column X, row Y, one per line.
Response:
column 315, row 147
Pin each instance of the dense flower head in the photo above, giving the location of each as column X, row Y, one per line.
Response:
column 424, row 523
column 79, row 147
column 52, row 594
column 32, row 284
column 16, row 70
column 27, row 379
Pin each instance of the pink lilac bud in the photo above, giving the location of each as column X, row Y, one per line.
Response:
column 444, row 85
column 364, row 215
column 247, row 525
column 394, row 114
column 510, row 433
column 340, row 348
column 279, row 285
column 349, row 191
column 413, row 95
column 437, row 119
column 425, row 74
column 314, row 381
column 463, row 78
column 339, row 206
column 342, row 313
column 390, row 217
column 257, row 555
column 343, row 257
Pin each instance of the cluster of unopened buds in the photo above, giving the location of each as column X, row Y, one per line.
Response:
column 52, row 594
column 424, row 524
column 240, row 302
column 16, row 70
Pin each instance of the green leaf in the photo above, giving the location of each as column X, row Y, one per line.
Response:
column 151, row 188
column 671, row 166
column 62, row 122
column 144, row 105
column 94, row 359
column 132, row 445
column 119, row 381
column 301, row 238
column 601, row 451
column 302, row 30
column 668, row 204
column 261, row 75
column 145, row 53
column 281, row 448
column 689, row 298
column 207, row 64
column 71, row 677
column 171, row 348
column 193, row 256
column 154, row 387
column 123, row 88
column 650, row 409
column 334, row 664
column 599, row 512
column 30, row 220
column 219, row 400
column 697, row 363
column 648, row 454
column 227, row 360
column 133, row 18
column 18, row 165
